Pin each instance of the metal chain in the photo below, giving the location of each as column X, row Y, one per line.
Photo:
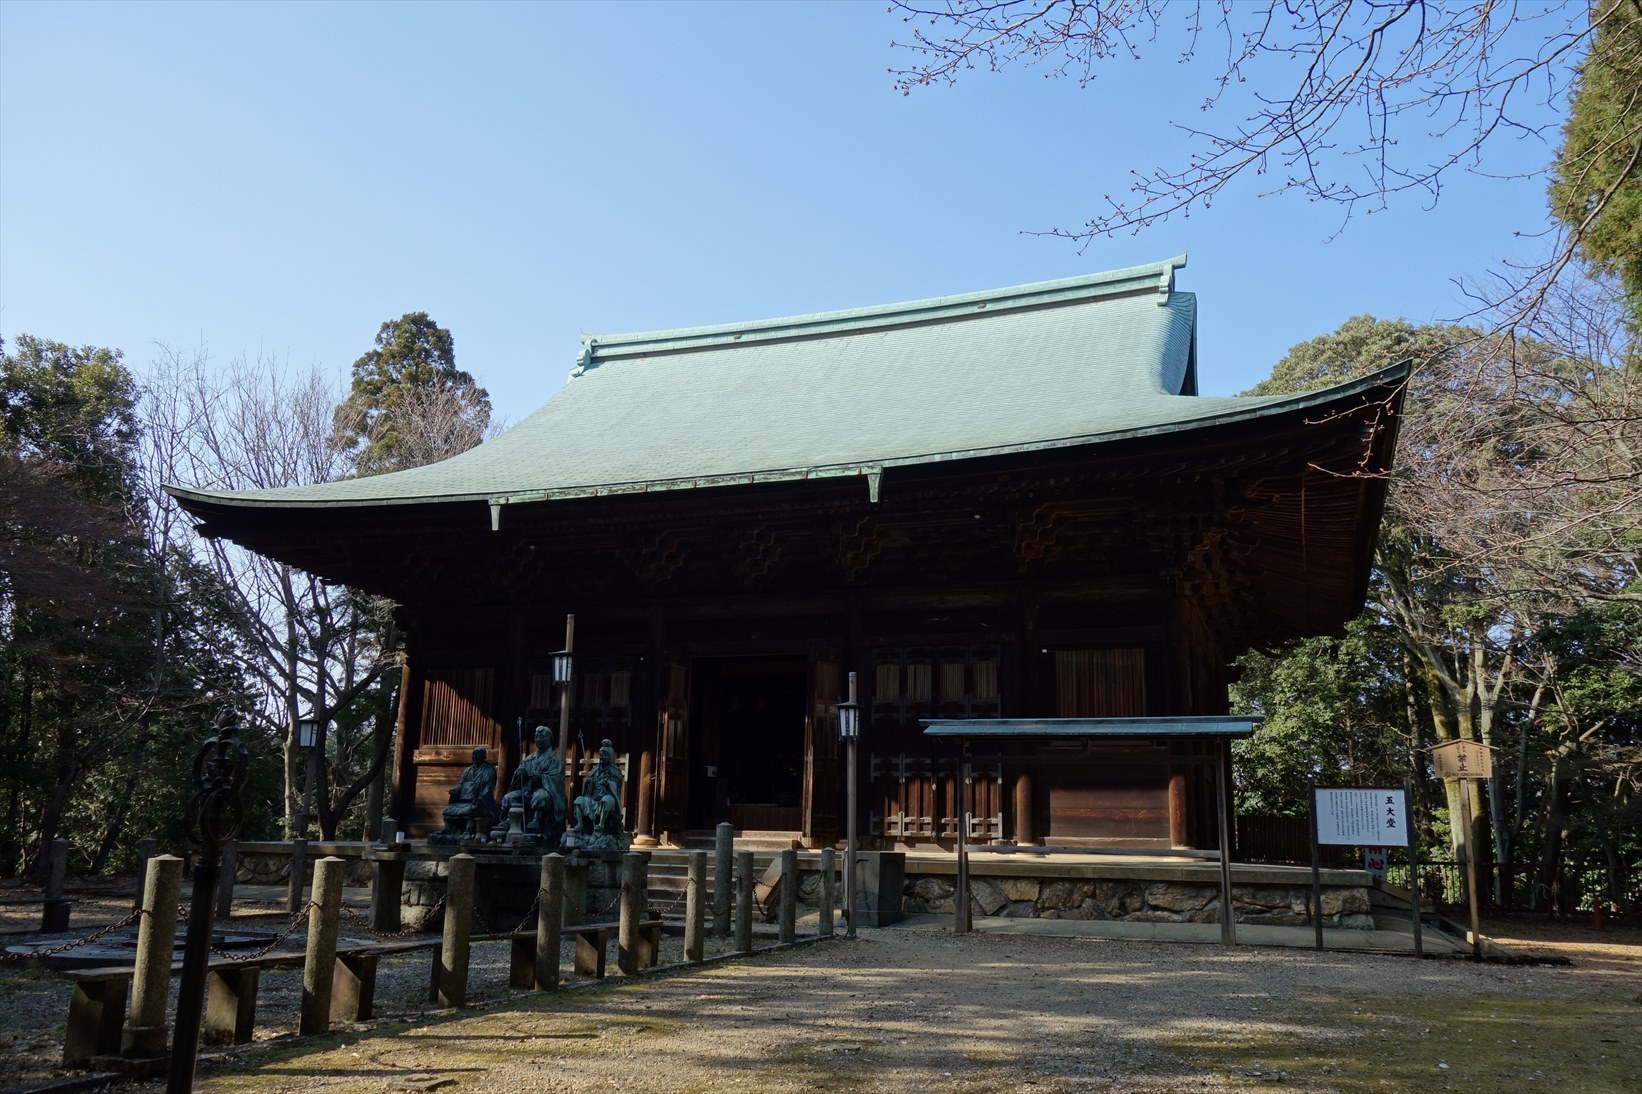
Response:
column 359, row 921
column 290, row 928
column 524, row 923
column 62, row 947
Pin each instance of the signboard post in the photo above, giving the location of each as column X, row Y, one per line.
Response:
column 1464, row 759
column 1363, row 817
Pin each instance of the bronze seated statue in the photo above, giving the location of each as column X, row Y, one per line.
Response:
column 472, row 810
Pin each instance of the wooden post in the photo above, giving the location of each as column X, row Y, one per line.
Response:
column 1024, row 834
column 744, row 901
column 643, row 836
column 549, row 922
column 299, row 876
column 319, row 966
column 1316, row 864
column 723, row 876
column 145, row 1032
column 852, row 899
column 1228, row 913
column 1467, row 846
column 1179, row 811
column 695, row 907
column 1413, row 866
column 962, row 920
column 829, row 891
column 789, row 896
column 632, row 908
column 452, row 967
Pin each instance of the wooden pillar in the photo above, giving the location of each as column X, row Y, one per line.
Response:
column 1180, row 831
column 644, row 832
column 1025, row 835
column 407, row 737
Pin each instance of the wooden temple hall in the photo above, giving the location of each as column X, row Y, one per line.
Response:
column 1010, row 504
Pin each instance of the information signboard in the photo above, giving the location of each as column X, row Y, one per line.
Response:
column 1374, row 861
column 1361, row 818
column 1463, row 760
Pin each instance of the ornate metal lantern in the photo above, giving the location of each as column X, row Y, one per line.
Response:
column 307, row 731
column 849, row 719
column 562, row 668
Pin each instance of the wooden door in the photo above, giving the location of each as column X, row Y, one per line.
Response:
column 673, row 748
column 822, row 780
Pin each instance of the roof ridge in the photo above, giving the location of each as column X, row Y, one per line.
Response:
column 1155, row 276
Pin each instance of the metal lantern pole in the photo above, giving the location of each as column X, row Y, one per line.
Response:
column 214, row 815
column 849, row 728
column 307, row 736
column 562, row 674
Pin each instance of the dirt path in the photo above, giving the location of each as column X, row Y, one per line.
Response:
column 901, row 1010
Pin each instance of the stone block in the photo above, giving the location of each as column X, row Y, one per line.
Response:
column 1057, row 895
column 1345, row 902
column 1168, row 897
column 1154, row 916
column 1119, row 898
column 1094, row 909
column 1020, row 909
column 1259, row 897
column 931, row 888
column 986, row 896
column 1209, row 913
column 1080, row 912
column 1021, row 888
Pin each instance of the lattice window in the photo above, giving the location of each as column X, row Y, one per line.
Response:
column 456, row 708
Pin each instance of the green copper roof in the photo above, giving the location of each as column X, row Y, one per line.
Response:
column 846, row 393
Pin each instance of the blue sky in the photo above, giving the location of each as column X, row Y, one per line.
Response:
column 282, row 178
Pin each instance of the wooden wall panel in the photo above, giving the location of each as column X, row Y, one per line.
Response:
column 457, row 707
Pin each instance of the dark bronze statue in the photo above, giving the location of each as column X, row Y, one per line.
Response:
column 598, row 818
column 538, row 788
column 472, row 809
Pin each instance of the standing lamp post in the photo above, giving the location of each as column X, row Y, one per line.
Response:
column 563, row 674
column 214, row 815
column 849, row 731
column 307, row 738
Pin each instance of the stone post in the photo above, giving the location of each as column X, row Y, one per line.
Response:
column 319, row 967
column 575, row 893
column 387, row 885
column 744, row 901
column 225, row 880
column 632, row 909
column 723, row 851
column 299, row 876
column 54, row 912
column 829, row 891
column 453, row 954
column 390, row 831
column 789, row 896
column 145, row 1030
column 549, row 922
column 145, row 852
column 695, row 908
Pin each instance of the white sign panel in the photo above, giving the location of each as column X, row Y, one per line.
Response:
column 1362, row 818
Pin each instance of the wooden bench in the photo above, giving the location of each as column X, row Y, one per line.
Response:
column 96, row 1013
column 592, row 947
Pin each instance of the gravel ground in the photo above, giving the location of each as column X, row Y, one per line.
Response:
column 898, row 1010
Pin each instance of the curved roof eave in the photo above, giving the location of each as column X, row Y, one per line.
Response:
column 1256, row 408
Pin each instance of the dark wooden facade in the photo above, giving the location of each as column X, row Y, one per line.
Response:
column 715, row 626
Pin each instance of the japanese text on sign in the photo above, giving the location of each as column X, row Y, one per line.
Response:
column 1368, row 818
column 1463, row 760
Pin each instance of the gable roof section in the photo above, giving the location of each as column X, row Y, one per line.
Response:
column 849, row 393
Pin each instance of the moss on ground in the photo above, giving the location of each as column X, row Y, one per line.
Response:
column 1477, row 1043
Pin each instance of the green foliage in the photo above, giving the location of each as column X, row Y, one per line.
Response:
column 1334, row 709
column 113, row 655
column 1362, row 345
column 1596, row 185
column 384, row 420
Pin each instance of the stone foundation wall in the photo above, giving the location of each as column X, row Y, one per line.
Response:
column 1139, row 901
column 266, row 863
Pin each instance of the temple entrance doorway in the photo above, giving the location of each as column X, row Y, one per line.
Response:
column 747, row 742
